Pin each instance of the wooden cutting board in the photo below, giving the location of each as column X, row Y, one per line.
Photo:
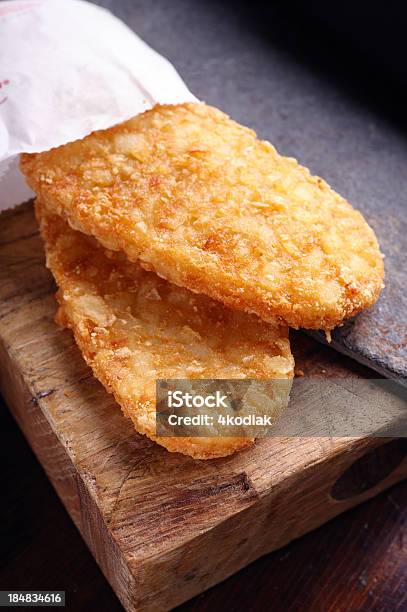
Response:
column 162, row 526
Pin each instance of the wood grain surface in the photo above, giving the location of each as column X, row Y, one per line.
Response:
column 357, row 561
column 161, row 526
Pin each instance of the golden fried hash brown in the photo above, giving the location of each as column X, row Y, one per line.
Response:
column 205, row 204
column 134, row 327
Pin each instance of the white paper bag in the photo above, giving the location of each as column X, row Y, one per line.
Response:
column 67, row 68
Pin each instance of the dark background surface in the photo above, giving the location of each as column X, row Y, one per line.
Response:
column 327, row 86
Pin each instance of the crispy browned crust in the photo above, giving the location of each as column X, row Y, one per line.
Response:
column 134, row 327
column 200, row 200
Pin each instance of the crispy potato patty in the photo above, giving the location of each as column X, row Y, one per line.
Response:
column 198, row 199
column 134, row 327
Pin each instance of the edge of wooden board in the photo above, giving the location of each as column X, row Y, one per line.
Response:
column 170, row 527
